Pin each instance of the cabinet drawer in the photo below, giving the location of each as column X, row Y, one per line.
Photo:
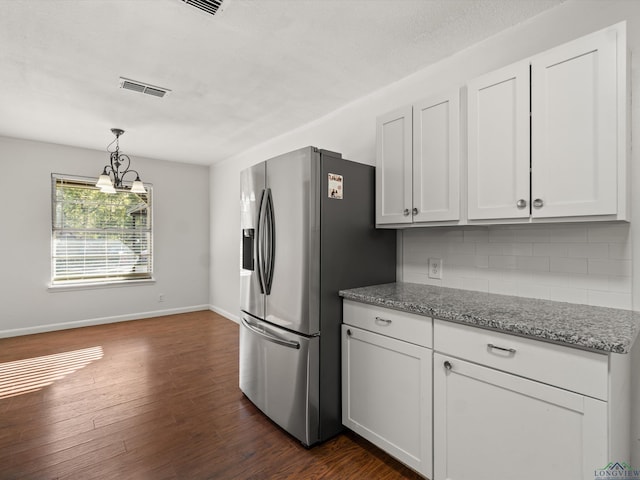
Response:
column 392, row 323
column 565, row 367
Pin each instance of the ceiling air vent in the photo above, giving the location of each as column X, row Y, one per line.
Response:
column 141, row 87
column 208, row 6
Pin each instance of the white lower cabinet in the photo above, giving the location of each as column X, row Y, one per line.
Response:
column 387, row 391
column 457, row 402
column 509, row 407
column 494, row 425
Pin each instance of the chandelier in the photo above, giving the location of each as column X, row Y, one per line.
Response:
column 113, row 174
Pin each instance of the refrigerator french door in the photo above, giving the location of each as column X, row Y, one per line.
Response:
column 307, row 229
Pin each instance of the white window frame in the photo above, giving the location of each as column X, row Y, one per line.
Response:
column 97, row 281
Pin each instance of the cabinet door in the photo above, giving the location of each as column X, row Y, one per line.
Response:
column 492, row 425
column 498, row 162
column 386, row 395
column 393, row 167
column 436, row 177
column 574, row 128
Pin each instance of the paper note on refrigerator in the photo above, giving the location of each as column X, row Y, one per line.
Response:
column 335, row 186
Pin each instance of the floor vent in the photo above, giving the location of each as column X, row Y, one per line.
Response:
column 208, row 6
column 141, row 87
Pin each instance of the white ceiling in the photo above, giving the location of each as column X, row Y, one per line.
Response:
column 258, row 69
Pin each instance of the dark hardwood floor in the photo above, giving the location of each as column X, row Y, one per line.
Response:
column 153, row 399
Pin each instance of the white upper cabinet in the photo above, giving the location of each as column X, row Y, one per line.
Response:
column 417, row 175
column 436, row 144
column 498, row 162
column 547, row 136
column 574, row 123
column 393, row 167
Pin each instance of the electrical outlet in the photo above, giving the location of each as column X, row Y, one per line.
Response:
column 435, row 268
column 161, row 298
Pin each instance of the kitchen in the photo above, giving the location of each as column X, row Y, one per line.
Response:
column 351, row 131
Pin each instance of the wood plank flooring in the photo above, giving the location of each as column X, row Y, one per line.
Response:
column 153, row 399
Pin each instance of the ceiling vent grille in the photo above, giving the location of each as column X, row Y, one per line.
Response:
column 208, row 6
column 141, row 87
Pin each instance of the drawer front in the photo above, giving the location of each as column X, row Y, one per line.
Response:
column 404, row 326
column 565, row 367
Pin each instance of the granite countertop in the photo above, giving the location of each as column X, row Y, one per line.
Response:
column 594, row 328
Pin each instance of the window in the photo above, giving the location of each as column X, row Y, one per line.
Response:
column 99, row 237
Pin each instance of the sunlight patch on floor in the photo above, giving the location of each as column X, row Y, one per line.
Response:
column 32, row 374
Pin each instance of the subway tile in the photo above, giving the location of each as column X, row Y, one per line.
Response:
column 503, row 287
column 476, row 284
column 533, row 290
column 533, row 263
column 452, row 282
column 532, row 234
column 489, row 248
column 550, row 250
column 461, row 249
column 588, row 264
column 459, row 260
column 414, row 277
column 469, row 271
column 522, row 249
column 569, row 265
column 620, row 284
column 482, row 261
column 620, row 251
column 567, row 294
column 443, row 234
column 568, row 234
column 610, row 267
column 501, row 235
column 609, row 299
column 588, row 250
column 414, row 259
column 502, row 261
column 577, row 280
column 608, row 233
column 436, row 282
column 476, row 235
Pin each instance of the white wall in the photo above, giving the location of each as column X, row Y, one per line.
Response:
column 351, row 131
column 181, row 241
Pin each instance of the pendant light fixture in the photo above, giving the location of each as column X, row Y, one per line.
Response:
column 113, row 174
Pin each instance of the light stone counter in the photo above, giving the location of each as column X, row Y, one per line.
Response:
column 593, row 328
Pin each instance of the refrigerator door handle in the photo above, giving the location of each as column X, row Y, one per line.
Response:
column 270, row 337
column 270, row 239
column 260, row 254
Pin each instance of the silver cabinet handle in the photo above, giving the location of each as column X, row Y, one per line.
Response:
column 495, row 347
column 522, row 203
column 415, row 211
column 383, row 320
column 406, row 212
column 447, row 365
column 538, row 203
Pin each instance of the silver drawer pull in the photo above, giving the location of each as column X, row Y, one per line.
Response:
column 510, row 350
column 383, row 320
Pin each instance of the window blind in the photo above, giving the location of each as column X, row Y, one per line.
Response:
column 98, row 237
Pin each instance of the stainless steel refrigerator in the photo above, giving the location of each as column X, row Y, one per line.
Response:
column 307, row 229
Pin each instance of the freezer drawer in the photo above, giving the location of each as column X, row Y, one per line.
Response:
column 279, row 373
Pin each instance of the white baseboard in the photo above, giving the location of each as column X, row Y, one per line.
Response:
column 224, row 313
column 99, row 321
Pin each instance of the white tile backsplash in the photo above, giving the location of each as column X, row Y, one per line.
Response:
column 586, row 263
